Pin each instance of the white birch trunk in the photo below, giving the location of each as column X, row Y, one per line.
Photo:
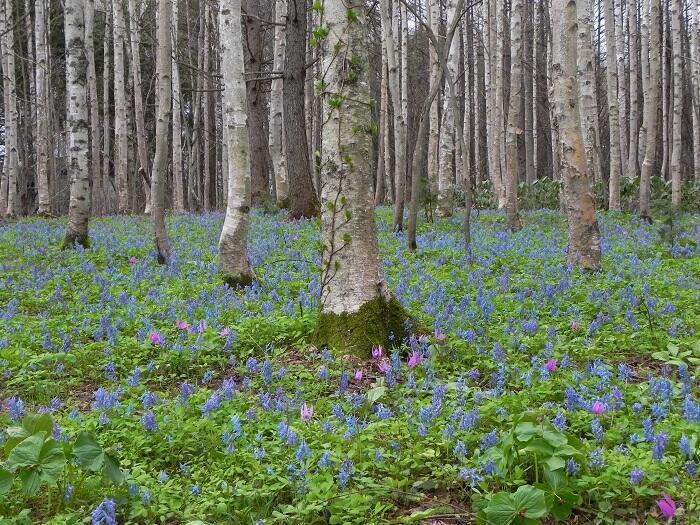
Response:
column 613, row 108
column 178, row 183
column 632, row 168
column 233, row 243
column 513, row 130
column 95, row 138
column 677, row 147
column 107, row 180
column 434, row 132
column 77, row 123
column 277, row 153
column 42, row 108
column 695, row 53
column 120, row 139
column 622, row 92
column 8, row 188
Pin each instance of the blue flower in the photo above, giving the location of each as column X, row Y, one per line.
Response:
column 105, row 513
column 325, row 460
column 303, row 452
column 471, row 476
column 685, row 446
column 636, row 476
column 345, row 473
column 149, row 421
column 660, row 442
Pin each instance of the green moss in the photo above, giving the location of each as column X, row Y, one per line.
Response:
column 70, row 241
column 371, row 325
column 237, row 281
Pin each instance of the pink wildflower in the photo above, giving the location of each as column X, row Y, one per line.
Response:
column 574, row 325
column 377, row 352
column 598, row 408
column 307, row 412
column 551, row 366
column 156, row 338
column 133, row 260
column 358, row 375
column 439, row 335
column 667, row 507
column 414, row 360
column 182, row 325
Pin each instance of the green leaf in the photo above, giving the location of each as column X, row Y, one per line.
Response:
column 6, row 480
column 540, row 446
column 374, row 394
column 28, row 452
column 501, row 510
column 555, row 463
column 51, row 461
column 30, row 482
column 112, row 470
column 89, row 452
column 556, row 479
column 530, row 500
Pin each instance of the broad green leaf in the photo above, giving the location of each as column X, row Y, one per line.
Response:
column 89, row 452
column 501, row 510
column 374, row 394
column 27, row 453
column 539, row 446
column 556, row 479
column 530, row 502
column 112, row 470
column 51, row 461
column 555, row 463
column 34, row 423
column 30, row 482
column 5, row 480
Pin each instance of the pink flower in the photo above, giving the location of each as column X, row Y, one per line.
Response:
column 377, row 352
column 414, row 360
column 667, row 506
column 598, row 408
column 358, row 375
column 439, row 335
column 225, row 332
column 133, row 260
column 182, row 325
column 307, row 412
column 383, row 366
column 156, row 338
column 551, row 366
column 574, row 325
column 422, row 338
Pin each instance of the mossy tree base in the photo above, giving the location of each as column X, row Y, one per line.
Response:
column 236, row 281
column 356, row 333
column 71, row 240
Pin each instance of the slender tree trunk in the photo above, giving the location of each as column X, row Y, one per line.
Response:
column 513, row 130
column 120, row 138
column 303, row 200
column 206, row 113
column 77, row 124
column 390, row 35
column 382, row 165
column 677, row 148
column 622, row 93
column 666, row 115
column 233, row 245
column 8, row 188
column 178, row 183
column 434, row 133
column 164, row 102
column 695, row 53
column 584, row 235
column 632, row 169
column 613, row 108
column 528, row 65
column 108, row 184
column 495, row 111
column 42, row 108
column 651, row 105
column 139, row 116
column 279, row 157
column 95, row 139
column 644, row 63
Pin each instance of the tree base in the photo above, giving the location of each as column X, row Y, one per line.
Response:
column 377, row 322
column 236, row 281
column 70, row 241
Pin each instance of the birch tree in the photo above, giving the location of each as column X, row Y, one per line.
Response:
column 233, row 246
column 42, row 109
column 178, row 183
column 97, row 197
column 279, row 157
column 632, row 169
column 434, row 132
column 613, row 107
column 356, row 310
column 76, row 120
column 8, row 186
column 164, row 101
column 584, row 235
column 677, row 144
column 651, row 105
column 695, row 53
column 513, row 131
column 120, row 139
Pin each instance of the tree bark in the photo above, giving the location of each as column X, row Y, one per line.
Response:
column 513, row 131
column 164, row 102
column 384, row 143
column 528, row 66
column 495, row 111
column 613, row 108
column 77, row 124
column 233, row 245
column 97, row 197
column 651, row 105
column 434, row 132
column 695, row 53
column 622, row 92
column 108, row 184
column 42, row 109
column 178, row 182
column 632, row 168
column 303, row 199
column 584, row 235
column 277, row 153
column 677, row 145
column 8, row 187
column 120, row 138
column 206, row 113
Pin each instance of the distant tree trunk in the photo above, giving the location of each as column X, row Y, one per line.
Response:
column 651, row 106
column 390, row 35
column 613, row 107
column 178, row 183
column 632, row 169
column 677, row 148
column 42, row 109
column 77, row 124
column 587, row 90
column 95, row 139
column 107, row 179
column 233, row 246
column 481, row 150
column 164, row 102
column 120, row 138
column 666, row 115
column 434, row 132
column 356, row 310
column 139, row 115
column 584, row 235
column 495, row 113
column 277, row 153
column 622, row 93
column 384, row 145
column 528, row 65
column 257, row 103
column 303, row 199
column 206, row 112
column 8, row 187
column 513, row 131
column 695, row 53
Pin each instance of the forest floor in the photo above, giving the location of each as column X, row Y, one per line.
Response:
column 541, row 394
